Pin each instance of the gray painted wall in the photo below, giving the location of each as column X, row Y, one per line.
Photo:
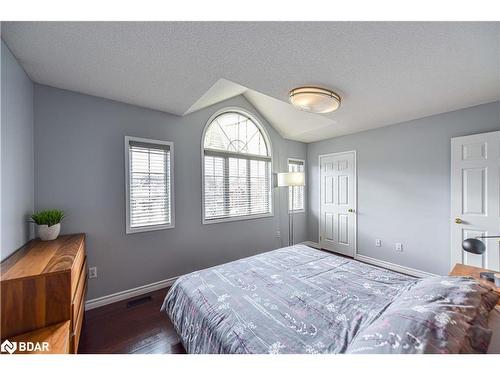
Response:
column 79, row 160
column 404, row 185
column 17, row 180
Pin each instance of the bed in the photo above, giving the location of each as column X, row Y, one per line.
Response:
column 302, row 300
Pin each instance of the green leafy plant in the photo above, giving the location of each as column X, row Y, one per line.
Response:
column 48, row 217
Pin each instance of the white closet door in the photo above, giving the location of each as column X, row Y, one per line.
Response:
column 475, row 197
column 338, row 202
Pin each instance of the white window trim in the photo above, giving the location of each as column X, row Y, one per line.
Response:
column 259, row 125
column 150, row 228
column 302, row 210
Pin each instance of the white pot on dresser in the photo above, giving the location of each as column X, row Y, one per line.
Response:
column 47, row 233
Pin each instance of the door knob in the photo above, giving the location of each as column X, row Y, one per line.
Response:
column 458, row 220
column 350, row 210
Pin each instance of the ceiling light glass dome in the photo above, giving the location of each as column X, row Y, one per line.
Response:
column 314, row 99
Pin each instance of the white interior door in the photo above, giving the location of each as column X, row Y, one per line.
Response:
column 475, row 197
column 337, row 224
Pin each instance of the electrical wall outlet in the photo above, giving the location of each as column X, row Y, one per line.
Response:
column 92, row 272
column 398, row 246
column 378, row 242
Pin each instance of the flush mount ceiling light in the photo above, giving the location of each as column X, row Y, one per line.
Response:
column 314, row 99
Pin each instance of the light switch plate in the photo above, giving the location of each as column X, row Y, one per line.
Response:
column 398, row 246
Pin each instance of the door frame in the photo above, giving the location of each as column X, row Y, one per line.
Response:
column 355, row 201
column 453, row 141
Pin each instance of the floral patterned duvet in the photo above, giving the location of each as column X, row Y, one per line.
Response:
column 291, row 300
column 301, row 300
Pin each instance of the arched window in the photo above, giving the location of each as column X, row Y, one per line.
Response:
column 236, row 168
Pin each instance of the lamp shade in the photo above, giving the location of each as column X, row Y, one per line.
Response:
column 291, row 179
column 474, row 246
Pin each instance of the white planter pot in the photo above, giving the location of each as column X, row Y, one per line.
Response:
column 47, row 233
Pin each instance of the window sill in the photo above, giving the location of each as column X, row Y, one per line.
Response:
column 236, row 218
column 150, row 228
column 297, row 211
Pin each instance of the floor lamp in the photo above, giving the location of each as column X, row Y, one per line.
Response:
column 291, row 179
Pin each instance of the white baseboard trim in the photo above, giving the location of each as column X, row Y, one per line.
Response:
column 311, row 244
column 125, row 294
column 393, row 266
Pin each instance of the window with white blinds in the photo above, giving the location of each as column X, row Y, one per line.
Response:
column 296, row 165
column 149, row 168
column 236, row 169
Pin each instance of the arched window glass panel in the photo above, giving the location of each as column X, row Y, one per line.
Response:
column 234, row 132
column 236, row 169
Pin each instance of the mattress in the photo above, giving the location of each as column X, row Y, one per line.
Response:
column 291, row 300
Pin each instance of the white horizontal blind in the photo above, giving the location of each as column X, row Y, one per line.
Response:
column 298, row 191
column 149, row 185
column 237, row 168
column 236, row 185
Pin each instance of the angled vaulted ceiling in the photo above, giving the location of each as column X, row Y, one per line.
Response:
column 386, row 72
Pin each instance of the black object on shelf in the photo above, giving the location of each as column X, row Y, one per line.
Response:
column 476, row 246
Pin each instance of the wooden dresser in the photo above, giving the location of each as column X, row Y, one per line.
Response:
column 44, row 284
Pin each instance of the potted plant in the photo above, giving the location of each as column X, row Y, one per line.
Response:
column 49, row 223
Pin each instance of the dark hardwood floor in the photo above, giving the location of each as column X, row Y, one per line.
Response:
column 134, row 328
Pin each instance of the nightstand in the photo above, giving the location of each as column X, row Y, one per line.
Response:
column 464, row 270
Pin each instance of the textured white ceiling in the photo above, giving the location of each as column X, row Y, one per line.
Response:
column 386, row 72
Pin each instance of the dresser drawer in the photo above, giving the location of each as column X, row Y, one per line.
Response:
column 57, row 337
column 77, row 268
column 75, row 336
column 78, row 297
